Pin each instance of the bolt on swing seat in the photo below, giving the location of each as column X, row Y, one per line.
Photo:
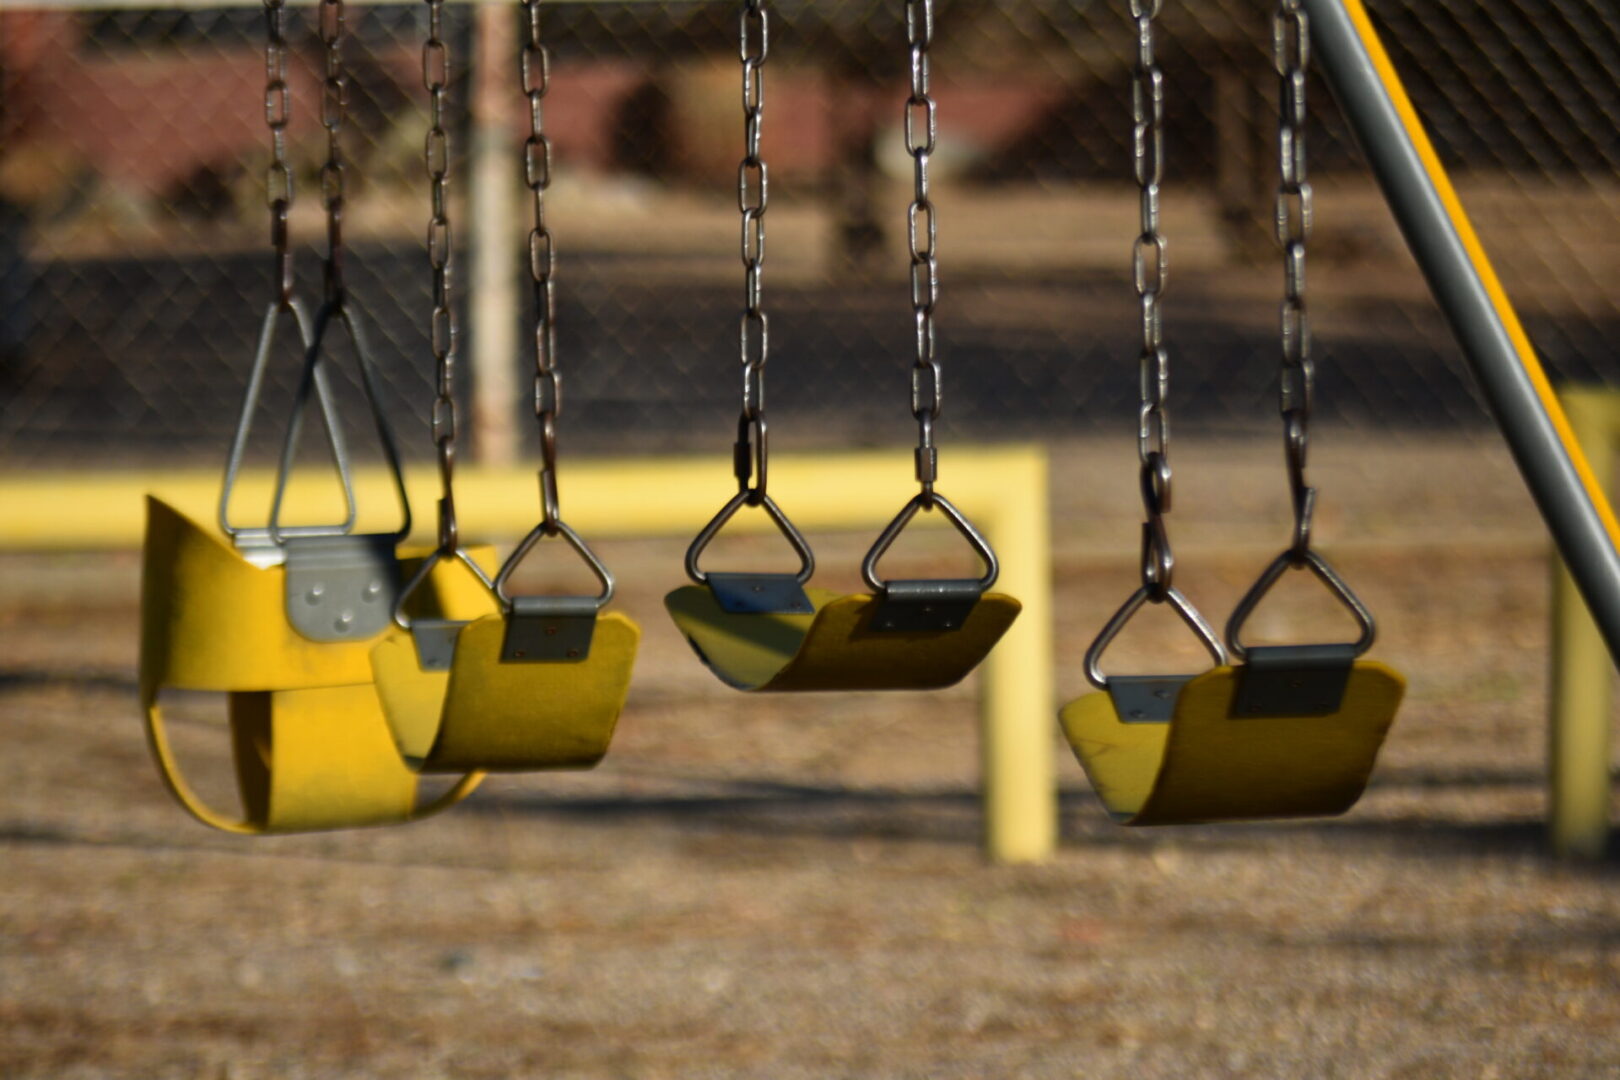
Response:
column 767, row 632
column 530, row 682
column 1292, row 732
column 282, row 622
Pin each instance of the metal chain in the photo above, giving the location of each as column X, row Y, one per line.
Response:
column 278, row 182
column 334, row 109
column 436, row 77
column 922, row 232
column 751, row 452
column 1150, row 267
column 535, row 69
column 1291, row 51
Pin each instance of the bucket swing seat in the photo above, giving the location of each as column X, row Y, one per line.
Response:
column 282, row 619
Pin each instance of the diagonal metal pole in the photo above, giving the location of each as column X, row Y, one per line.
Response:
column 1460, row 276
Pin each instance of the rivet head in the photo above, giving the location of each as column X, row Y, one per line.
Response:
column 1138, row 714
column 551, row 631
column 1162, row 694
column 573, row 654
column 759, row 588
column 316, row 591
column 518, row 654
column 372, row 590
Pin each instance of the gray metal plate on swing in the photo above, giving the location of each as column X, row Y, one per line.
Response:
column 1146, row 699
column 925, row 605
column 759, row 594
column 436, row 642
column 1293, row 680
column 553, row 629
column 340, row 588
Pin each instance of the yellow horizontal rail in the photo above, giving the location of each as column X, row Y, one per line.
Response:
column 75, row 509
column 1002, row 489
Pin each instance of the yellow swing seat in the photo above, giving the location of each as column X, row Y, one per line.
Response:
column 1197, row 759
column 1293, row 731
column 834, row 646
column 767, row 632
column 536, row 685
column 311, row 746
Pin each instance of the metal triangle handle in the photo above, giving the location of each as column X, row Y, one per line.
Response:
column 1295, row 560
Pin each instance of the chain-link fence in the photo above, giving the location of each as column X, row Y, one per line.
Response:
column 134, row 263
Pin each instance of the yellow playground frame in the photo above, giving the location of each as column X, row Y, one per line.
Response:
column 1003, row 488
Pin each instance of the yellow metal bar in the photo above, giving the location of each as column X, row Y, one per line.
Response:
column 1003, row 489
column 1015, row 702
column 1582, row 691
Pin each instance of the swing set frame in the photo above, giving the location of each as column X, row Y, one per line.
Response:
column 83, row 510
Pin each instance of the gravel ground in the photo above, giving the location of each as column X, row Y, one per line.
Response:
column 792, row 887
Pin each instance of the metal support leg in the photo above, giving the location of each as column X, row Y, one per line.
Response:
column 1568, row 492
column 1582, row 684
column 1460, row 276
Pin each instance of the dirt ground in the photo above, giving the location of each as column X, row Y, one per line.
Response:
column 793, row 887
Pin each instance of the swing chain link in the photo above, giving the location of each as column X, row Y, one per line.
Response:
column 921, row 131
column 751, row 452
column 1150, row 268
column 535, row 69
column 436, row 151
column 334, row 110
column 278, row 183
column 1291, row 52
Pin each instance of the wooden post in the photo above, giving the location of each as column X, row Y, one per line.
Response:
column 492, row 297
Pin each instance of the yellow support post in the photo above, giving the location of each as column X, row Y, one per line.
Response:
column 1002, row 489
column 1015, row 702
column 1581, row 690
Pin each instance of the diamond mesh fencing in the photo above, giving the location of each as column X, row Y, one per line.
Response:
column 135, row 266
